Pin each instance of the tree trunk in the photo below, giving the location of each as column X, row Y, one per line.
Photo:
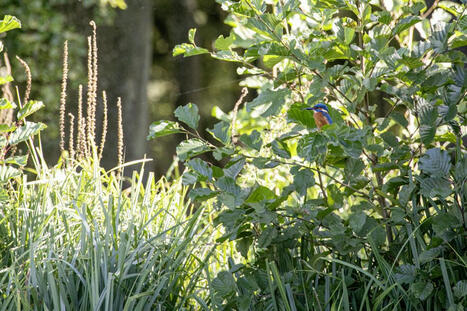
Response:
column 125, row 58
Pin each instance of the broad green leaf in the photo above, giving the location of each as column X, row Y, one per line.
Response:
column 357, row 220
column 312, row 147
column 405, row 24
column 422, row 289
column 224, row 284
column 301, row 116
column 28, row 109
column 163, row 128
column 430, row 254
column 17, row 160
column 190, row 148
column 8, row 23
column 260, row 194
column 266, row 237
column 435, row 186
column 202, row 194
column 280, row 149
column 6, row 104
column 435, row 162
column 221, row 132
column 406, row 274
column 234, row 167
column 222, row 43
column 201, row 167
column 228, row 185
column 252, row 140
column 428, row 116
column 8, row 172
column 4, row 128
column 7, row 78
column 188, row 114
column 269, row 102
column 302, row 180
column 460, row 289
column 23, row 133
column 187, row 50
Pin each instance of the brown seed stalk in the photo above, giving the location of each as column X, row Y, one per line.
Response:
column 29, row 79
column 70, row 145
column 89, row 101
column 63, row 96
column 81, row 140
column 120, row 131
column 104, row 124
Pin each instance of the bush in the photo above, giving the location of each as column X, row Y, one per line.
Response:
column 369, row 211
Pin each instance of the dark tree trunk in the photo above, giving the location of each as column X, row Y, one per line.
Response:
column 125, row 58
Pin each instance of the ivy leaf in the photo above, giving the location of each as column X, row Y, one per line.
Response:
column 435, row 162
column 188, row 114
column 269, row 102
column 28, row 109
column 23, row 133
column 190, row 148
column 163, row 128
column 8, row 23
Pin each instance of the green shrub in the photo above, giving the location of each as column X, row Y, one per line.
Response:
column 366, row 213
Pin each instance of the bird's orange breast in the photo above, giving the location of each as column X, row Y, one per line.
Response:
column 320, row 119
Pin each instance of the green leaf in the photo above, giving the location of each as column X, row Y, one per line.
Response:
column 222, row 43
column 188, row 114
column 224, row 284
column 357, row 220
column 405, row 24
column 260, row 194
column 8, row 23
column 6, row 104
column 406, row 274
column 301, row 116
column 266, row 237
column 422, row 289
column 17, row 160
column 201, row 167
column 221, row 132
column 4, row 128
column 435, row 186
column 187, row 50
column 430, row 254
column 7, row 78
column 252, row 140
column 312, row 147
column 390, row 139
column 191, row 35
column 28, row 109
column 23, row 133
column 435, row 162
column 460, row 290
column 163, row 128
column 302, row 180
column 202, row 194
column 428, row 116
column 269, row 102
column 190, row 148
column 8, row 172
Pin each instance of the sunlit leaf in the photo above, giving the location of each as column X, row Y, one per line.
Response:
column 163, row 128
column 188, row 114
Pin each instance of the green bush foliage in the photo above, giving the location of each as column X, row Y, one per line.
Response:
column 367, row 213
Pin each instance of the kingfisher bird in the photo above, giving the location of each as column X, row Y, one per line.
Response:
column 321, row 115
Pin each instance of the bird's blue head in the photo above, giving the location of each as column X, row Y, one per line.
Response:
column 320, row 106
